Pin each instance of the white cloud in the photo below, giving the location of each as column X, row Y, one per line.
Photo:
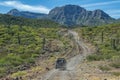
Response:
column 113, row 11
column 100, row 4
column 115, row 15
column 25, row 7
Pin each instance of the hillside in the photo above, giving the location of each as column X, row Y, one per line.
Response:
column 98, row 62
column 106, row 39
column 24, row 40
column 21, row 46
column 8, row 20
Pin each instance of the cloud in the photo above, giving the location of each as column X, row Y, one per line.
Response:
column 100, row 4
column 114, row 13
column 25, row 7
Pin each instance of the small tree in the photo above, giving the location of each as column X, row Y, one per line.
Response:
column 19, row 39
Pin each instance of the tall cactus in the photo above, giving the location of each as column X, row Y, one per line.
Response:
column 19, row 39
column 115, row 42
column 102, row 37
column 44, row 41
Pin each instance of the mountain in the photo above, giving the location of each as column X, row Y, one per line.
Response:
column 118, row 19
column 26, row 14
column 69, row 15
column 76, row 15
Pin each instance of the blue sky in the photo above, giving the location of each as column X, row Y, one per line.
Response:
column 112, row 7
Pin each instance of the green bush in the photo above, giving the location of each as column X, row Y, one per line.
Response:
column 116, row 73
column 104, row 68
column 19, row 74
column 94, row 57
column 115, row 64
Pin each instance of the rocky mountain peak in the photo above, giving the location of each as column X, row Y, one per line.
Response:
column 69, row 15
column 26, row 14
column 76, row 15
column 13, row 11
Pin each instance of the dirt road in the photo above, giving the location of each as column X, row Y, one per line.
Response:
column 70, row 73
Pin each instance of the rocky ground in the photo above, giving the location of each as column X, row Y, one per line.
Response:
column 91, row 71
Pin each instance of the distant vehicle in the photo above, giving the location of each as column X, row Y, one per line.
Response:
column 61, row 64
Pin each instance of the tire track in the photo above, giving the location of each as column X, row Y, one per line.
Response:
column 50, row 75
column 70, row 73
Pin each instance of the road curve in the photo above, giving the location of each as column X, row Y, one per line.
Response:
column 70, row 73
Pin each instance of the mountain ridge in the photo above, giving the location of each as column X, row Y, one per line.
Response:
column 76, row 15
column 69, row 15
column 26, row 14
column 8, row 20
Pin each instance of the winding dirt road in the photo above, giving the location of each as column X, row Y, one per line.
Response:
column 70, row 73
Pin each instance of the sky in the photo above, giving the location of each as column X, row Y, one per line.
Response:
column 111, row 7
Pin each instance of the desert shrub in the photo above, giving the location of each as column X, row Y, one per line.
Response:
column 115, row 64
column 116, row 73
column 104, row 68
column 94, row 57
column 19, row 73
